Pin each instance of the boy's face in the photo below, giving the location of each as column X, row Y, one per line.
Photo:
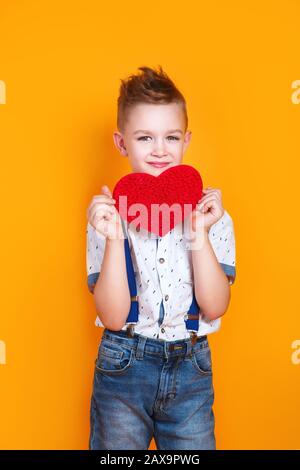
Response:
column 154, row 138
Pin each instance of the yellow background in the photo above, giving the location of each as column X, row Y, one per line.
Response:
column 62, row 63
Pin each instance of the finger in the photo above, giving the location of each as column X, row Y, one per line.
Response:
column 210, row 190
column 98, row 206
column 207, row 197
column 108, row 217
column 97, row 200
column 106, row 190
column 215, row 192
column 102, row 211
column 206, row 201
column 103, row 197
column 98, row 220
column 99, row 211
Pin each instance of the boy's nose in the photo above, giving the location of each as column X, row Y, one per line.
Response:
column 159, row 152
column 159, row 148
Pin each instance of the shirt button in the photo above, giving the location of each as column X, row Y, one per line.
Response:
column 166, row 297
column 161, row 260
column 162, row 330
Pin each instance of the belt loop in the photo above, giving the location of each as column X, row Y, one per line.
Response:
column 130, row 330
column 140, row 346
column 188, row 348
column 193, row 337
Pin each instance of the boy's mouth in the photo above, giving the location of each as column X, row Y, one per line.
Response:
column 158, row 165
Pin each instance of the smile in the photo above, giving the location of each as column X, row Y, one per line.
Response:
column 159, row 165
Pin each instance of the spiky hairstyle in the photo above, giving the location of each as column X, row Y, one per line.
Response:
column 151, row 86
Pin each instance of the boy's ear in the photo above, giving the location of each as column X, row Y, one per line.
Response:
column 188, row 135
column 119, row 143
column 186, row 140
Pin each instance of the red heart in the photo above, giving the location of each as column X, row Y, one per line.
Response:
column 180, row 185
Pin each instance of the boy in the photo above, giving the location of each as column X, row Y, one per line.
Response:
column 155, row 378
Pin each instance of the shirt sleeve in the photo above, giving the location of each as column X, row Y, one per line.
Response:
column 95, row 247
column 222, row 238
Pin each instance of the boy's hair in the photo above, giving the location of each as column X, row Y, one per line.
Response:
column 151, row 86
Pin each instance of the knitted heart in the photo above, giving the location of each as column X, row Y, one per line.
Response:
column 158, row 203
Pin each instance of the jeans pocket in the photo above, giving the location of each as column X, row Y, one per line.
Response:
column 201, row 359
column 113, row 358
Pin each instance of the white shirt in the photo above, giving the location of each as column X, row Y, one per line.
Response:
column 164, row 275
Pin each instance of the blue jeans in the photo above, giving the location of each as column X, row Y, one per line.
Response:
column 146, row 388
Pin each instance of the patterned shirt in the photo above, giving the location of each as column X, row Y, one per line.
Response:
column 164, row 275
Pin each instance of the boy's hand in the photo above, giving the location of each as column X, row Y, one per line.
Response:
column 208, row 210
column 104, row 217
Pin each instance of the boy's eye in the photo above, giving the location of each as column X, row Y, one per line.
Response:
column 145, row 137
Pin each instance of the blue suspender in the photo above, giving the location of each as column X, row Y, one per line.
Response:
column 134, row 308
column 192, row 320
